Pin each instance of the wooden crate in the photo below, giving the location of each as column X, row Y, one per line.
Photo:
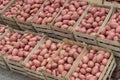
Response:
column 90, row 39
column 18, row 66
column 3, row 63
column 34, row 74
column 4, row 9
column 64, row 33
column 111, row 4
column 27, row 25
column 40, row 28
column 10, row 21
column 113, row 45
column 66, row 41
column 47, row 28
column 108, row 70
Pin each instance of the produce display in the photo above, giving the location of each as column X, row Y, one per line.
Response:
column 92, row 21
column 3, row 4
column 70, row 14
column 49, row 11
column 91, row 66
column 14, row 9
column 29, row 9
column 22, row 48
column 7, row 44
column 112, row 30
column 42, row 55
column 62, row 63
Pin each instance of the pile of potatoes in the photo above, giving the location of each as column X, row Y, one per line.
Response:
column 62, row 63
column 42, row 55
column 3, row 3
column 91, row 66
column 49, row 11
column 112, row 30
column 22, row 48
column 70, row 14
column 29, row 9
column 92, row 21
column 7, row 44
column 14, row 9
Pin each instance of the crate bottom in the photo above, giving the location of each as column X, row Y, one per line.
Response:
column 18, row 71
column 3, row 64
column 43, row 30
column 112, row 47
column 9, row 22
column 26, row 27
column 86, row 40
column 60, row 35
column 14, row 26
column 36, row 75
column 4, row 67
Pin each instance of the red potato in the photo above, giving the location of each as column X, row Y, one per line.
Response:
column 88, row 69
column 92, row 20
column 63, row 62
column 29, row 10
column 8, row 42
column 112, row 29
column 14, row 9
column 49, row 11
column 42, row 55
column 3, row 4
column 70, row 14
column 24, row 46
